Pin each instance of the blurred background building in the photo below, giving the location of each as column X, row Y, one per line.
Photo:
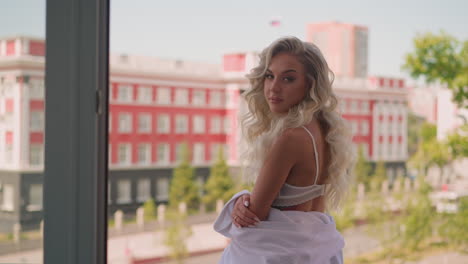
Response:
column 157, row 105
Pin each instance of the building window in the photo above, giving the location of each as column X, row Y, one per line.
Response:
column 164, row 125
column 124, row 93
column 390, row 151
column 198, row 153
column 124, row 153
column 198, row 124
column 179, row 151
column 342, row 106
column 163, row 95
column 35, row 197
column 181, row 97
column 215, row 147
column 227, row 125
column 36, row 122
column 364, row 128
column 8, row 198
column 382, row 127
column 354, row 127
column 215, row 125
column 162, row 189
column 199, row 98
column 380, row 151
column 354, row 106
column 390, row 127
column 181, row 124
column 216, row 98
column 144, row 154
column 145, row 94
column 144, row 123
column 35, row 154
column 143, row 190
column 124, row 191
column 163, row 153
column 125, row 123
column 8, row 153
column 37, row 89
column 365, row 107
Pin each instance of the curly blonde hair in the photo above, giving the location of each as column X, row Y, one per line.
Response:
column 260, row 127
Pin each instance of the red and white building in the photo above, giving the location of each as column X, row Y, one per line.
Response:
column 156, row 105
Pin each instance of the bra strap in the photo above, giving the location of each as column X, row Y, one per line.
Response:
column 316, row 154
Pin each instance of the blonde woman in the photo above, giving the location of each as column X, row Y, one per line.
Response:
column 299, row 155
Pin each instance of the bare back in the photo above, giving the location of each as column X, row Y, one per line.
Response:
column 303, row 173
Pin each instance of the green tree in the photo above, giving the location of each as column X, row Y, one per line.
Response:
column 454, row 229
column 379, row 176
column 362, row 168
column 220, row 184
column 458, row 143
column 176, row 234
column 417, row 224
column 414, row 127
column 422, row 159
column 441, row 58
column 149, row 207
column 183, row 185
column 428, row 132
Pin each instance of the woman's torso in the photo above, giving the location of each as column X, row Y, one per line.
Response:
column 305, row 170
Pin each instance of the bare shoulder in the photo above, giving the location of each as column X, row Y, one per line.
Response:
column 292, row 140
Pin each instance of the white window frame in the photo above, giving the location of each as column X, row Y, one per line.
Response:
column 37, row 155
column 125, row 122
column 145, row 94
column 179, row 147
column 215, row 127
column 127, row 198
column 163, row 95
column 36, row 121
column 216, row 98
column 198, row 124
column 146, row 149
column 181, row 124
column 227, row 125
column 127, row 151
column 199, row 98
column 162, row 189
column 144, row 123
column 143, row 190
column 124, row 93
column 165, row 150
column 199, row 153
column 163, row 124
column 181, row 97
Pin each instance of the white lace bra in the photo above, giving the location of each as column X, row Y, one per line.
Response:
column 291, row 195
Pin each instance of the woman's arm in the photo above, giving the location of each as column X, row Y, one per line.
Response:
column 281, row 158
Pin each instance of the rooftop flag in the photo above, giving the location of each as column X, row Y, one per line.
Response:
column 275, row 22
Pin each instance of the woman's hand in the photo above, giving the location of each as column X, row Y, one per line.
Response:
column 241, row 214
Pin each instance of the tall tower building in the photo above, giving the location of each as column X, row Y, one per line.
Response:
column 345, row 47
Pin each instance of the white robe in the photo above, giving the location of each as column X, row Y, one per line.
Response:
column 291, row 237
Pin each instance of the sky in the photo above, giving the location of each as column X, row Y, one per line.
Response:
column 203, row 30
